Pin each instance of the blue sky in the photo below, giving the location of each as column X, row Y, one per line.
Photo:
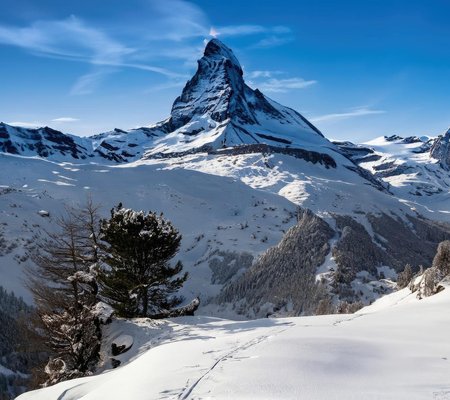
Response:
column 356, row 69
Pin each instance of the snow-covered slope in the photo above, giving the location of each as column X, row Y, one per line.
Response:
column 396, row 349
column 214, row 214
column 229, row 167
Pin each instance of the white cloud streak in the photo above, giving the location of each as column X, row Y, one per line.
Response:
column 26, row 124
column 86, row 84
column 177, row 20
column 160, row 30
column 71, row 39
column 65, row 119
column 261, row 74
column 273, row 41
column 275, row 85
column 245, row 30
column 357, row 112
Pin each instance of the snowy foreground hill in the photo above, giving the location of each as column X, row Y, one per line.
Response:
column 395, row 349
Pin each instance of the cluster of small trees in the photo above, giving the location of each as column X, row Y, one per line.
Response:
column 428, row 282
column 284, row 275
column 123, row 261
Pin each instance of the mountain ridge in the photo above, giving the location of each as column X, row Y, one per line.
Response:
column 216, row 109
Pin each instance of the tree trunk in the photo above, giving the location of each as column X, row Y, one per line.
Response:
column 144, row 301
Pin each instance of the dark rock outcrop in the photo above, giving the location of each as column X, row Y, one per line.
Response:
column 441, row 150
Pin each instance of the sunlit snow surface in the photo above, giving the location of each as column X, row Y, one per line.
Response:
column 213, row 213
column 398, row 348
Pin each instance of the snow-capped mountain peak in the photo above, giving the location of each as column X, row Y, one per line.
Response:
column 218, row 109
column 215, row 110
column 213, row 89
column 215, row 49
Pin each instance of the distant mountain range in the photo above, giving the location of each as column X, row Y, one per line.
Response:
column 234, row 170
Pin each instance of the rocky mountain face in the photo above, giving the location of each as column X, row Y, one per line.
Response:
column 235, row 113
column 441, row 150
column 230, row 166
column 43, row 142
column 217, row 110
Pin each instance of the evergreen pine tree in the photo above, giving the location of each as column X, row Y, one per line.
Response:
column 442, row 259
column 404, row 277
column 139, row 280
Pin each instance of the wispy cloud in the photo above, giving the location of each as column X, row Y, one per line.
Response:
column 261, row 74
column 161, row 32
column 65, row 119
column 87, row 83
column 72, row 39
column 165, row 86
column 356, row 112
column 273, row 36
column 176, row 20
column 275, row 85
column 26, row 124
column 236, row 30
column 38, row 124
column 244, row 30
column 272, row 81
column 273, row 41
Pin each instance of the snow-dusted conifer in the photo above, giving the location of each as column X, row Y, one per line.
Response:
column 404, row 277
column 139, row 280
column 442, row 259
column 429, row 282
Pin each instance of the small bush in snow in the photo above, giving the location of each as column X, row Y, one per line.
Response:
column 349, row 308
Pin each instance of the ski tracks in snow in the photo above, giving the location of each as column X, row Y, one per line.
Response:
column 187, row 391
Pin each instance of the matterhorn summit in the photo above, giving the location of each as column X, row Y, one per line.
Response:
column 218, row 110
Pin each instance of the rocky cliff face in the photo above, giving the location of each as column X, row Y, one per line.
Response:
column 218, row 91
column 43, row 142
column 441, row 150
column 217, row 109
